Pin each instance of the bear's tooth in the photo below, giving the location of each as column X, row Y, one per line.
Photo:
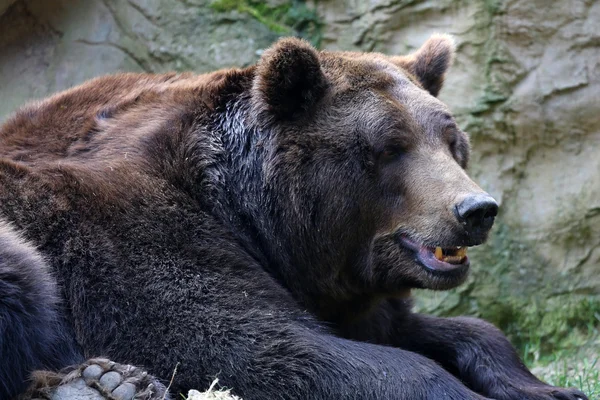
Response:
column 438, row 253
column 462, row 252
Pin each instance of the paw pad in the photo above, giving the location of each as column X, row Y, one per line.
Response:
column 101, row 379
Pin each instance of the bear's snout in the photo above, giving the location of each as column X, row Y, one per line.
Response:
column 476, row 213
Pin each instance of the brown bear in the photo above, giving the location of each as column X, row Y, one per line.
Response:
column 262, row 225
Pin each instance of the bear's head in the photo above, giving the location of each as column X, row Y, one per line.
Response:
column 363, row 189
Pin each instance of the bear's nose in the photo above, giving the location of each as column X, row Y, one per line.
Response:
column 476, row 213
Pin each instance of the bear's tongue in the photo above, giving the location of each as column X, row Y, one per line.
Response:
column 451, row 256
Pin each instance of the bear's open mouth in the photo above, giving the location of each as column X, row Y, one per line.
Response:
column 442, row 259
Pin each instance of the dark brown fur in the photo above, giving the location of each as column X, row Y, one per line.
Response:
column 246, row 224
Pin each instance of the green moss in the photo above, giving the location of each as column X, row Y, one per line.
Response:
column 499, row 71
column 540, row 329
column 493, row 7
column 289, row 18
column 225, row 5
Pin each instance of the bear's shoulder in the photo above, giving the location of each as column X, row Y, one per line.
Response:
column 107, row 114
column 108, row 141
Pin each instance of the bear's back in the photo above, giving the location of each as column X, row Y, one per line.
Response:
column 104, row 116
column 109, row 140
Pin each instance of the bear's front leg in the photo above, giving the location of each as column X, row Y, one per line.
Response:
column 96, row 379
column 479, row 354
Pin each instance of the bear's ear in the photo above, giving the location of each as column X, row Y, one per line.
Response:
column 430, row 63
column 289, row 80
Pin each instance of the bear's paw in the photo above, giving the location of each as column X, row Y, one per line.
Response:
column 96, row 379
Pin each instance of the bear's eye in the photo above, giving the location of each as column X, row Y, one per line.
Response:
column 391, row 153
column 451, row 138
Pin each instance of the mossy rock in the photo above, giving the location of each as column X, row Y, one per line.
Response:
column 283, row 17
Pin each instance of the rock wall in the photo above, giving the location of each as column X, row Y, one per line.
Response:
column 525, row 85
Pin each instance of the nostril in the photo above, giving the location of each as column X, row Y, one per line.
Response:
column 491, row 211
column 477, row 211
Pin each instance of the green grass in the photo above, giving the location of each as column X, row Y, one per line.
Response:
column 563, row 360
column 583, row 374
